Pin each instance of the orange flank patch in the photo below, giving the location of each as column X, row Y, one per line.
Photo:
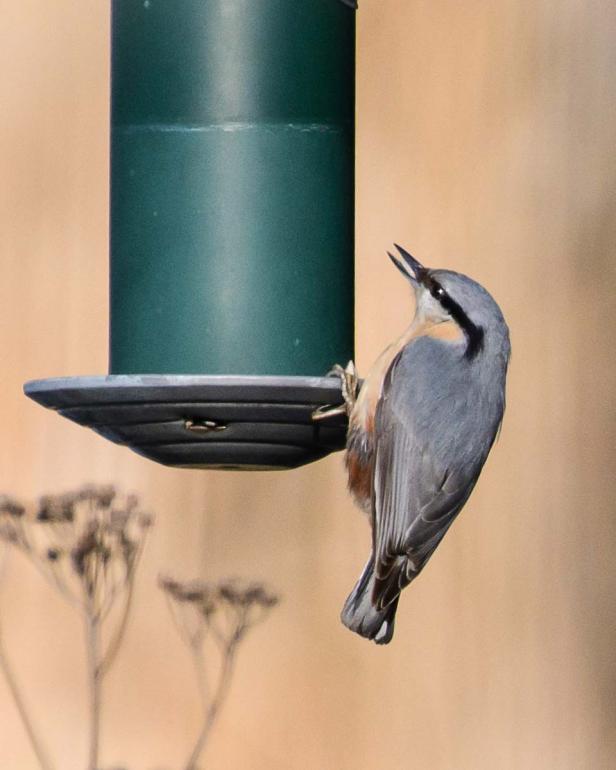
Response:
column 360, row 478
column 369, row 422
column 362, row 418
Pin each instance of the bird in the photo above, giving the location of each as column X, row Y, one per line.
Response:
column 420, row 429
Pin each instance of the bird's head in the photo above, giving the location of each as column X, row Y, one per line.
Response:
column 443, row 295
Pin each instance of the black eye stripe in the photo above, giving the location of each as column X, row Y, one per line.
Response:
column 474, row 334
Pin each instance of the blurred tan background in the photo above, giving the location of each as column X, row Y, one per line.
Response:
column 486, row 143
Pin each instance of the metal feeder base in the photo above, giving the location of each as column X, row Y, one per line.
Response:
column 201, row 421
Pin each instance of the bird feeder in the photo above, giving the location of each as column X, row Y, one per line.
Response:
column 231, row 233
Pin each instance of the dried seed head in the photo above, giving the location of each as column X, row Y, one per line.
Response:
column 201, row 595
column 246, row 594
column 56, row 508
column 118, row 518
column 85, row 549
column 132, row 502
column 101, row 496
column 11, row 507
column 206, row 598
column 145, row 520
column 87, row 542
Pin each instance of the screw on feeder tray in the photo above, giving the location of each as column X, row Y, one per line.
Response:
column 204, row 426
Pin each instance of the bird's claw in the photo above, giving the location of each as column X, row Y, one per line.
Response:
column 349, row 382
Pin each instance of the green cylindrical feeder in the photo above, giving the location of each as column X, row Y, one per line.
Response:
column 232, row 186
column 232, row 204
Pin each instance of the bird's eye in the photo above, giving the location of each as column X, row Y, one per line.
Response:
column 438, row 292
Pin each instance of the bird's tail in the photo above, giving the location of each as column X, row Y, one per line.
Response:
column 360, row 615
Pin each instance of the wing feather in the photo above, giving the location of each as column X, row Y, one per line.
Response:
column 427, row 459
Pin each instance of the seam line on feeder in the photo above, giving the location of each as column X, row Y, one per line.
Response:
column 187, row 404
column 231, row 127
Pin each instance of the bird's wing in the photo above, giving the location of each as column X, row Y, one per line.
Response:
column 423, row 474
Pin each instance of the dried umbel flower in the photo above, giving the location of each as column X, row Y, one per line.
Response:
column 232, row 591
column 222, row 611
column 228, row 608
column 198, row 594
column 87, row 543
column 245, row 603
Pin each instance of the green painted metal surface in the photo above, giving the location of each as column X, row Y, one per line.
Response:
column 232, row 186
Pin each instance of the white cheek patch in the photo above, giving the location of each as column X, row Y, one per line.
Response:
column 430, row 309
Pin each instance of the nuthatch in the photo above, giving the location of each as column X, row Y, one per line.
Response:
column 420, row 430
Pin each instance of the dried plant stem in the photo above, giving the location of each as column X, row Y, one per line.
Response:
column 92, row 623
column 202, row 683
column 116, row 642
column 18, row 699
column 216, row 703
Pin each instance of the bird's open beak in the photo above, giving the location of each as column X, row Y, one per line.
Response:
column 410, row 268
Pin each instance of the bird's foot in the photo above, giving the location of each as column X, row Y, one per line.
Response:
column 349, row 380
column 350, row 385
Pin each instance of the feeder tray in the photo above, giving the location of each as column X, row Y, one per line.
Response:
column 227, row 422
